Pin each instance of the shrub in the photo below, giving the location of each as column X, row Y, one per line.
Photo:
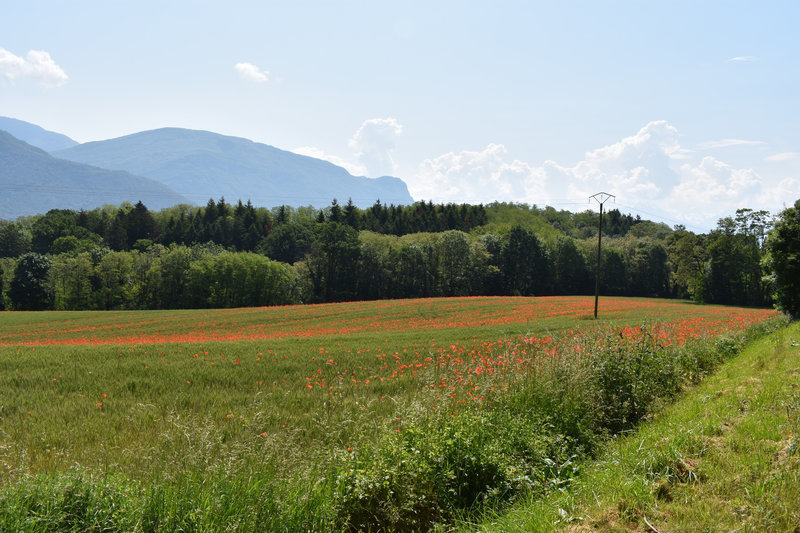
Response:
column 630, row 374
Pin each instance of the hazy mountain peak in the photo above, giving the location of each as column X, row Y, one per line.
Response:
column 36, row 135
column 33, row 181
column 201, row 165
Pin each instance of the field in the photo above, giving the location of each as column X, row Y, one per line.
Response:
column 327, row 417
column 724, row 457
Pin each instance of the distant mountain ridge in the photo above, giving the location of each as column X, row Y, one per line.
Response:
column 32, row 181
column 202, row 165
column 36, row 135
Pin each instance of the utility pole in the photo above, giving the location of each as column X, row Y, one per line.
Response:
column 600, row 198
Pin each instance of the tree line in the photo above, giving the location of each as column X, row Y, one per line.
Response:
column 223, row 255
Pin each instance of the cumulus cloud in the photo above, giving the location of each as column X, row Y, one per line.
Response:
column 251, row 72
column 710, row 190
column 642, row 164
column 649, row 171
column 36, row 65
column 353, row 168
column 781, row 195
column 373, row 144
column 478, row 177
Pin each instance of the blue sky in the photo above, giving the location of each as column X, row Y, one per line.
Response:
column 685, row 111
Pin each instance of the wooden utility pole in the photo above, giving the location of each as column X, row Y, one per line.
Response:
column 600, row 198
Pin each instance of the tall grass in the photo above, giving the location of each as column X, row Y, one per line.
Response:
column 152, row 438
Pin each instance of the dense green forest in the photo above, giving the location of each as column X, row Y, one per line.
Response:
column 225, row 255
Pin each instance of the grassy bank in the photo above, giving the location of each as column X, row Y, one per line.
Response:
column 726, row 457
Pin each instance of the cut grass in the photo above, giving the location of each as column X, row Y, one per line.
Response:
column 726, row 457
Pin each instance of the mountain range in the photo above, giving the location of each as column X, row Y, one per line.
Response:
column 32, row 181
column 36, row 135
column 167, row 166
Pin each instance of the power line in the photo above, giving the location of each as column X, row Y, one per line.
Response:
column 600, row 198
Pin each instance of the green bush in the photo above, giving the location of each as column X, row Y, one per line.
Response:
column 448, row 464
column 630, row 374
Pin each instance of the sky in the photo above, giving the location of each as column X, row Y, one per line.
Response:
column 684, row 111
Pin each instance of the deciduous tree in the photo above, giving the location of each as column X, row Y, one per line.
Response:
column 29, row 288
column 783, row 260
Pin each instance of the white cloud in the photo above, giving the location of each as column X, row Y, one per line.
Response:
column 742, row 59
column 37, row 65
column 783, row 156
column 727, row 143
column 372, row 147
column 780, row 195
column 648, row 171
column 251, row 72
column 373, row 144
column 711, row 190
column 353, row 168
column 478, row 177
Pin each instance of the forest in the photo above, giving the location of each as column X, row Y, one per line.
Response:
column 238, row 255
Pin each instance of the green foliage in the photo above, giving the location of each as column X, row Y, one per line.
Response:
column 783, row 260
column 630, row 374
column 73, row 245
column 29, row 288
column 525, row 264
column 80, row 501
column 648, row 271
column 238, row 280
column 46, row 229
column 734, row 269
column 335, row 251
column 445, row 464
column 165, row 278
column 68, row 503
column 444, row 250
column 71, row 282
column 720, row 458
column 442, row 464
column 288, row 243
column 570, row 270
column 613, row 272
column 14, row 239
column 687, row 256
column 455, row 263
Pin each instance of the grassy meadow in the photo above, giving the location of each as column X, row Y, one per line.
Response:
column 387, row 415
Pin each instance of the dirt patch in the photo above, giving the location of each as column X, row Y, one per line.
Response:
column 714, row 442
column 685, row 470
column 787, row 450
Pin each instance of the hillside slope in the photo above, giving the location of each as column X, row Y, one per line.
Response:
column 36, row 135
column 202, row 165
column 32, row 181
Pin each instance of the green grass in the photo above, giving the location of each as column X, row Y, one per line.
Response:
column 726, row 457
column 430, row 410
